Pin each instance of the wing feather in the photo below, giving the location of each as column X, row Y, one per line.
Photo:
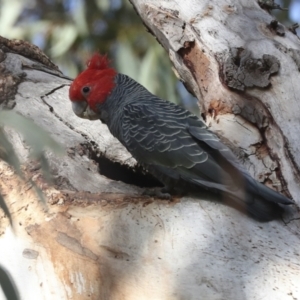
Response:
column 162, row 137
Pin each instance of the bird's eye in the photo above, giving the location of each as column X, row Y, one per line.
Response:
column 85, row 90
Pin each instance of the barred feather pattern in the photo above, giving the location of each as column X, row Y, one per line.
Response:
column 177, row 148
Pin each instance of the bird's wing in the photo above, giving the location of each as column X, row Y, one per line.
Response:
column 219, row 151
column 177, row 143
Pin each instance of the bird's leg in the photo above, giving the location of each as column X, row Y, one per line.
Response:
column 162, row 193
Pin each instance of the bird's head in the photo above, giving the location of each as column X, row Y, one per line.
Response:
column 92, row 87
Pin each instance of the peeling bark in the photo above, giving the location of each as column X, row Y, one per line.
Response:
column 227, row 55
column 99, row 238
column 241, row 70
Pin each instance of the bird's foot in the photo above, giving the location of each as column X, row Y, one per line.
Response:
column 162, row 193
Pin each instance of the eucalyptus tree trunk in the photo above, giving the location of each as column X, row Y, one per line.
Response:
column 98, row 238
column 243, row 66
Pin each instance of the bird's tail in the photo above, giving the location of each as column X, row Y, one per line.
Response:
column 261, row 202
column 262, row 210
column 251, row 197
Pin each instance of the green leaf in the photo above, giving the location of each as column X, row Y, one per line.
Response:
column 103, row 5
column 127, row 61
column 9, row 13
column 63, row 38
column 45, row 167
column 8, row 286
column 80, row 18
column 148, row 70
column 8, row 154
column 5, row 209
column 39, row 192
column 37, row 138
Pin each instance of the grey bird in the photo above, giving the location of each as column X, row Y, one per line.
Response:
column 170, row 142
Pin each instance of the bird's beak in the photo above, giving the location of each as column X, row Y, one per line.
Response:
column 82, row 110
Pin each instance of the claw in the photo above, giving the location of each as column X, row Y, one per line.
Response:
column 157, row 193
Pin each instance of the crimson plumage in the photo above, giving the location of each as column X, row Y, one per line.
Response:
column 170, row 142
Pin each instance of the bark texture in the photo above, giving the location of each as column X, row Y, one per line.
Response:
column 98, row 238
column 243, row 66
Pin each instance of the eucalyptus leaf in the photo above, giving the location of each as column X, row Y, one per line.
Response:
column 80, row 18
column 127, row 61
column 38, row 27
column 7, row 153
column 8, row 286
column 171, row 93
column 62, row 39
column 148, row 74
column 9, row 13
column 37, row 138
column 6, row 210
column 39, row 192
column 45, row 167
column 103, row 5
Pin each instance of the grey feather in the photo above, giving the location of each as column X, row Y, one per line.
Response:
column 178, row 148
